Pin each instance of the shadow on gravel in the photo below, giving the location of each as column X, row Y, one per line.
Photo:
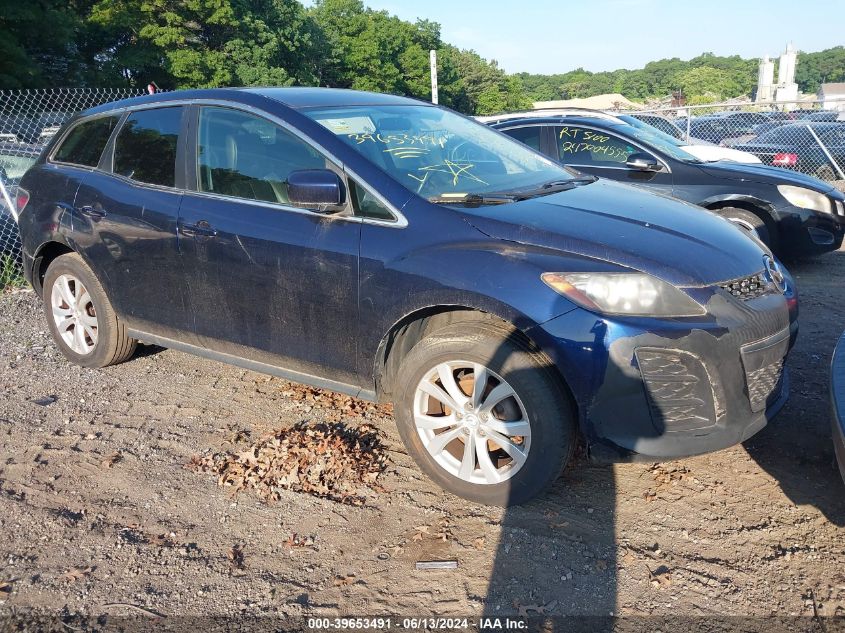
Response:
column 796, row 447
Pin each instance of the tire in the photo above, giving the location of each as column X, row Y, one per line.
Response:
column 92, row 335
column 538, row 398
column 826, row 173
column 749, row 222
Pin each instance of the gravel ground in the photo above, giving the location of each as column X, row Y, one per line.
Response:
column 99, row 515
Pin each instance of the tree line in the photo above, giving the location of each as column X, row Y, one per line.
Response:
column 340, row 43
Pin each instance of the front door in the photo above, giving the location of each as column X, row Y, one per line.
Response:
column 600, row 153
column 268, row 281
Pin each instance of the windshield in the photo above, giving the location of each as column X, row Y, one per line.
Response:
column 437, row 153
column 660, row 141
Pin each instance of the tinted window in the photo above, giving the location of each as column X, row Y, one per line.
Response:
column 580, row 146
column 245, row 156
column 528, row 135
column 145, row 148
column 86, row 141
column 787, row 134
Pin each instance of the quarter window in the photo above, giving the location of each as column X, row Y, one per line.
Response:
column 145, row 148
column 530, row 136
column 86, row 141
column 581, row 146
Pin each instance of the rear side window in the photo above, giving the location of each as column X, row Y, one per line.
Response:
column 145, row 148
column 530, row 136
column 86, row 141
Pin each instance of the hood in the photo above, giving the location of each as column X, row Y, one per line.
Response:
column 680, row 243
column 709, row 153
column 765, row 174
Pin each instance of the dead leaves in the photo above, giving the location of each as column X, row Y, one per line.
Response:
column 333, row 461
column 525, row 610
column 442, row 531
column 112, row 459
column 77, row 573
column 236, row 559
column 660, row 577
column 343, row 581
column 295, row 540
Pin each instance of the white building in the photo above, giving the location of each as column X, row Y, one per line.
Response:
column 832, row 96
column 787, row 89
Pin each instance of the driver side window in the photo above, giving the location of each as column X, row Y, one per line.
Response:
column 245, row 156
column 582, row 146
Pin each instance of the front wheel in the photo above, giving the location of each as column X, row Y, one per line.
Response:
column 749, row 222
column 483, row 415
column 80, row 316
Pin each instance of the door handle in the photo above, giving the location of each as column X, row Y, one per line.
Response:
column 95, row 211
column 200, row 229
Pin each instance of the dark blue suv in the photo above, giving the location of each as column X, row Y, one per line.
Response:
column 394, row 250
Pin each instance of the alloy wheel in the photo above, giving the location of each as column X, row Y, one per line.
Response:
column 74, row 314
column 472, row 422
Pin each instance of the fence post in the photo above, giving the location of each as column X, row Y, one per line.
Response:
column 689, row 116
column 826, row 152
column 8, row 200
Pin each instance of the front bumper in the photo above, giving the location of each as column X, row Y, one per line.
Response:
column 667, row 388
column 837, row 401
column 804, row 232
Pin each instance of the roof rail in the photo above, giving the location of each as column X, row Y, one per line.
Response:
column 545, row 112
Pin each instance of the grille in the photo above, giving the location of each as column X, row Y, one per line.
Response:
column 762, row 383
column 678, row 387
column 748, row 288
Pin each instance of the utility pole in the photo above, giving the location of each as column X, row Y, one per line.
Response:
column 433, row 58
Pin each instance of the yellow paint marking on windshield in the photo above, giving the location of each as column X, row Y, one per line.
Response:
column 407, row 152
column 454, row 169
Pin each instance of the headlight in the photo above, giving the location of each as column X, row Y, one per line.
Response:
column 634, row 294
column 806, row 198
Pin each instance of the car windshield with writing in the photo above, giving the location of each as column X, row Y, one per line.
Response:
column 442, row 156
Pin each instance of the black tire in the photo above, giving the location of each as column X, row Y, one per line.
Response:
column 532, row 377
column 826, row 173
column 113, row 345
column 749, row 222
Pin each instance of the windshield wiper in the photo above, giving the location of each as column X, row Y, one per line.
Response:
column 474, row 199
column 554, row 186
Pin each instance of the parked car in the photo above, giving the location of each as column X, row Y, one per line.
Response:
column 725, row 126
column 791, row 213
column 795, row 147
column 837, row 401
column 15, row 159
column 702, row 150
column 391, row 249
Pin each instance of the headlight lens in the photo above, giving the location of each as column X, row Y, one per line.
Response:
column 633, row 294
column 806, row 198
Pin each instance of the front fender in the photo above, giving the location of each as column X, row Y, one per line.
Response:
column 743, row 199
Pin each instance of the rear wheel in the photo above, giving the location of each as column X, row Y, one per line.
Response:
column 483, row 415
column 749, row 222
column 80, row 316
column 826, row 173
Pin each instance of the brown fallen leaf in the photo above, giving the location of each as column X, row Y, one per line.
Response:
column 6, row 586
column 77, row 573
column 524, row 609
column 111, row 460
column 295, row 540
column 479, row 543
column 162, row 540
column 236, row 557
column 660, row 577
column 649, row 496
column 342, row 581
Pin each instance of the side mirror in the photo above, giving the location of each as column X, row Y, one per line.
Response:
column 318, row 189
column 643, row 162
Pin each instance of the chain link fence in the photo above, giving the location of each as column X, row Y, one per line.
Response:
column 804, row 136
column 28, row 120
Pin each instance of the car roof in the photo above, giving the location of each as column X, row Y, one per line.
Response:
column 293, row 97
column 548, row 114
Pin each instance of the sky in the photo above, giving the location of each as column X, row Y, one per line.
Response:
column 544, row 36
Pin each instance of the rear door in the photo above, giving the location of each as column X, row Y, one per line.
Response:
column 270, row 282
column 125, row 222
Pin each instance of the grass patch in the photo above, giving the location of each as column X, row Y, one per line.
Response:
column 11, row 275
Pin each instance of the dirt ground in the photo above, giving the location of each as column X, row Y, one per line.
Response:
column 99, row 515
